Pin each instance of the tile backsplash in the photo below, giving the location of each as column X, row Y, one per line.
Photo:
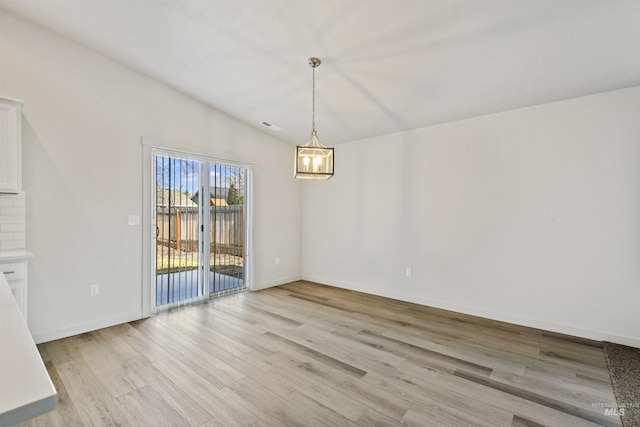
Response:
column 12, row 221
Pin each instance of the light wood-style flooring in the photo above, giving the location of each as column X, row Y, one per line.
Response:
column 305, row 354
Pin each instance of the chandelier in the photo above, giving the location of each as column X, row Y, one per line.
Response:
column 313, row 160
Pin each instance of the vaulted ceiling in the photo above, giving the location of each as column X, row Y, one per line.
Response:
column 387, row 65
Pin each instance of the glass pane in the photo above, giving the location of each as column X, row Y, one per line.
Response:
column 227, row 215
column 177, row 229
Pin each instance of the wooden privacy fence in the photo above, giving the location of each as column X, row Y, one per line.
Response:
column 178, row 228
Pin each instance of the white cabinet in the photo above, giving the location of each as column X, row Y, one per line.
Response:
column 14, row 270
column 10, row 145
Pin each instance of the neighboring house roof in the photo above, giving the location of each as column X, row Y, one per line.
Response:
column 215, row 193
column 219, row 192
column 173, row 198
column 217, row 202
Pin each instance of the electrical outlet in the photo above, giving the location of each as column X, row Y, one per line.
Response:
column 94, row 290
column 407, row 272
column 277, row 260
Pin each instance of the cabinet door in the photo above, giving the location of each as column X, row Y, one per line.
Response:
column 16, row 274
column 10, row 128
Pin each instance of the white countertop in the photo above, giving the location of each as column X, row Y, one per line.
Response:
column 26, row 390
column 15, row 255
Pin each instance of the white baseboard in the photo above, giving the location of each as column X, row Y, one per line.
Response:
column 41, row 337
column 522, row 321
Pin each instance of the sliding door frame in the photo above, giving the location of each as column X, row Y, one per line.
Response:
column 150, row 148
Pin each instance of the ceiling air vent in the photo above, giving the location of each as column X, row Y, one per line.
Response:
column 270, row 126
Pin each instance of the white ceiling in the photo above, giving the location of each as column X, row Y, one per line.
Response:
column 387, row 65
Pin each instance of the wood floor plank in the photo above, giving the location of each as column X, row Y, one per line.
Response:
column 296, row 410
column 247, row 337
column 381, row 400
column 421, row 415
column 540, row 399
column 60, row 351
column 193, row 353
column 312, row 355
column 144, row 406
column 313, row 413
column 523, row 422
column 345, row 368
column 141, row 344
column 436, row 383
column 117, row 342
column 425, row 353
column 328, row 342
column 207, row 395
column 576, row 391
column 447, row 399
column 174, row 396
column 92, row 401
column 330, row 397
column 113, row 372
column 373, row 418
column 476, row 358
column 256, row 366
column 260, row 314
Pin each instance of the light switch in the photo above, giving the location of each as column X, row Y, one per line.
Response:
column 134, row 220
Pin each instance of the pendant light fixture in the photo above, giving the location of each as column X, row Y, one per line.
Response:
column 313, row 160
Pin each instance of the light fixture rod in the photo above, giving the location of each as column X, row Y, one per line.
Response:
column 314, row 63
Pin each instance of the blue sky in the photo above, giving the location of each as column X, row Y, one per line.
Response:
column 184, row 174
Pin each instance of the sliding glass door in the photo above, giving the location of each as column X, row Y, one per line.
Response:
column 200, row 214
column 226, row 228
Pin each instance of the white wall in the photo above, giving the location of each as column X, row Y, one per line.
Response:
column 530, row 216
column 83, row 120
